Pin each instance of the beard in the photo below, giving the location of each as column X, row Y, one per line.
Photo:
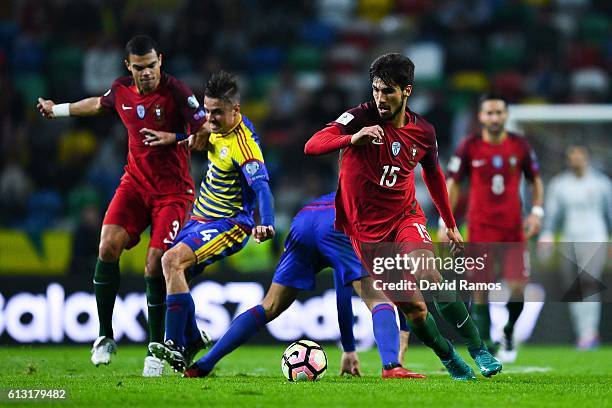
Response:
column 392, row 114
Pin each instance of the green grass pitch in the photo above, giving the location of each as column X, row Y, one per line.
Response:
column 251, row 377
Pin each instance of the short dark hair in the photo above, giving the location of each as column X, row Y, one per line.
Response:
column 491, row 96
column 140, row 45
column 392, row 69
column 223, row 85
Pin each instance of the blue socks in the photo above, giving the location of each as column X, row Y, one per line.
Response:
column 242, row 328
column 180, row 308
column 386, row 333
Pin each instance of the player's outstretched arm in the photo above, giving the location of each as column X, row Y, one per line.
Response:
column 436, row 184
column 349, row 364
column 331, row 139
column 265, row 203
column 454, row 190
column 197, row 141
column 85, row 107
column 533, row 222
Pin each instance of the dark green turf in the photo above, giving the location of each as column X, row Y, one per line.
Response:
column 251, row 377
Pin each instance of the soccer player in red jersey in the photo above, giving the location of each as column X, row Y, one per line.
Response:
column 156, row 189
column 495, row 161
column 381, row 143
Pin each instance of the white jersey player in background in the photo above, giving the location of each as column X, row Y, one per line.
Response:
column 579, row 205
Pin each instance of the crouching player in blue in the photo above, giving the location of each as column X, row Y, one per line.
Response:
column 222, row 217
column 314, row 244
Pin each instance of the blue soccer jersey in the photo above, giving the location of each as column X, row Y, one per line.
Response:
column 313, row 244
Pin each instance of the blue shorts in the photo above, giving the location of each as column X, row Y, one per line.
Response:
column 211, row 241
column 312, row 245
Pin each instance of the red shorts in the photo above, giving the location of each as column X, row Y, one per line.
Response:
column 506, row 249
column 135, row 210
column 410, row 235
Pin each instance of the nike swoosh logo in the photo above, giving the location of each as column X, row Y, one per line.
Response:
column 461, row 325
column 100, row 283
column 125, row 107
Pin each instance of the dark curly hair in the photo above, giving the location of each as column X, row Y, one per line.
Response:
column 393, row 69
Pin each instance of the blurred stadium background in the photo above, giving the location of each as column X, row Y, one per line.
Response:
column 301, row 64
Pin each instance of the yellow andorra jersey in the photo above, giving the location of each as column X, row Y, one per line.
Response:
column 233, row 158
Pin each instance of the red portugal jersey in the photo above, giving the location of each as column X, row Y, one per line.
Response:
column 376, row 185
column 172, row 107
column 495, row 172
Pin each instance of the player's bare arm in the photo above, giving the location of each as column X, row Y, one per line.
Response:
column 160, row 138
column 454, row 191
column 533, row 222
column 85, row 107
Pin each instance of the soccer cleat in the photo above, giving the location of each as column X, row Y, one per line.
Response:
column 168, row 352
column 102, row 349
column 457, row 368
column 153, row 367
column 193, row 349
column 400, row 372
column 507, row 353
column 195, row 372
column 488, row 365
column 588, row 343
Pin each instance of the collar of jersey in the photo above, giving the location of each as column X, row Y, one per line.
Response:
column 232, row 129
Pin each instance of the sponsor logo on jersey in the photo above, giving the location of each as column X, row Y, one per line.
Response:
column 192, row 102
column 479, row 163
column 252, row 167
column 497, row 161
column 159, row 113
column 345, row 118
column 395, row 148
column 224, row 152
column 140, row 111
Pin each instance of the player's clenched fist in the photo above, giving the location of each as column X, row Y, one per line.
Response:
column 45, row 107
column 263, row 233
column 368, row 134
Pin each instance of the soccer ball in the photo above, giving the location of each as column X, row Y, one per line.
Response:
column 304, row 360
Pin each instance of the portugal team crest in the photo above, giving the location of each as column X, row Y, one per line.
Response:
column 140, row 111
column 159, row 113
column 395, row 148
column 413, row 152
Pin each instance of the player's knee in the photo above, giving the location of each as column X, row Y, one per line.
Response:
column 170, row 263
column 416, row 312
column 429, row 275
column 109, row 250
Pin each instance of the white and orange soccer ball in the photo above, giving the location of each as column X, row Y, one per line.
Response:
column 304, row 360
